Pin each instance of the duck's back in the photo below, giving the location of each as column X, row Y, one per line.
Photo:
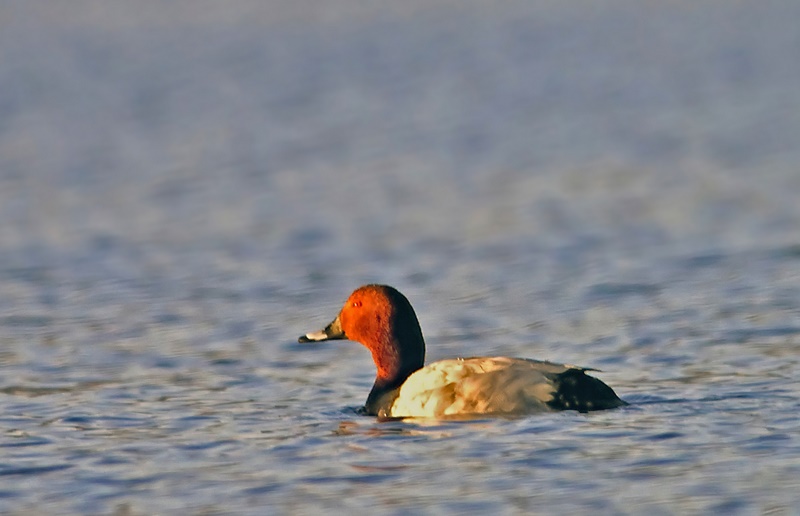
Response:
column 498, row 385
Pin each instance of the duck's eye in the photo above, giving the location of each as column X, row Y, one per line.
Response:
column 356, row 304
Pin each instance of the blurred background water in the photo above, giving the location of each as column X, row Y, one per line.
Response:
column 186, row 187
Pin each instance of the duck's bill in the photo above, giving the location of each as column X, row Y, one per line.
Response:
column 333, row 331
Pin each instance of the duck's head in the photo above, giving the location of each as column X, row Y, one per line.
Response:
column 382, row 319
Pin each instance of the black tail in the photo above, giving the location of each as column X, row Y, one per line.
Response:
column 576, row 390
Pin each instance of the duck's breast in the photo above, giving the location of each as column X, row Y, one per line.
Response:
column 486, row 385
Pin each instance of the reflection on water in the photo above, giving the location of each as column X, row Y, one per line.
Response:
column 184, row 193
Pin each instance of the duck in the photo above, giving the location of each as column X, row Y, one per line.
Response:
column 383, row 320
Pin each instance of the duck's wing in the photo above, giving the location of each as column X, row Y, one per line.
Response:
column 485, row 385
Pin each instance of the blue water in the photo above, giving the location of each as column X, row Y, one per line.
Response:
column 185, row 188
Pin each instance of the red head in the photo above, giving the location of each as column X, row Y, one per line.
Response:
column 382, row 319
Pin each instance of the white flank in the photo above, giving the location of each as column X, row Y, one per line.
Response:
column 496, row 385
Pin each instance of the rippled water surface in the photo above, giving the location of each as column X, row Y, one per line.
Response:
column 186, row 188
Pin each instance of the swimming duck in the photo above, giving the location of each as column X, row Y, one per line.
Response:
column 382, row 319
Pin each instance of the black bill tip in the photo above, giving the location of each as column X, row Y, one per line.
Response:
column 313, row 337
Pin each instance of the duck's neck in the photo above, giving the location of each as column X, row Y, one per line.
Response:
column 395, row 363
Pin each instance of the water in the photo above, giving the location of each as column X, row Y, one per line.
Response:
column 185, row 189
